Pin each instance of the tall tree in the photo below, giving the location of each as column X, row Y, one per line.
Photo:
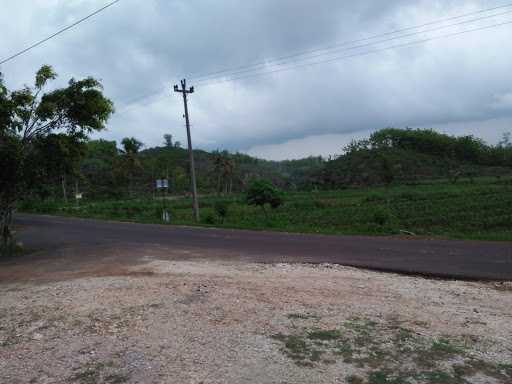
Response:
column 131, row 148
column 29, row 115
column 61, row 155
column 224, row 168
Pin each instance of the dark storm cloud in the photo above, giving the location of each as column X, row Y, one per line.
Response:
column 141, row 47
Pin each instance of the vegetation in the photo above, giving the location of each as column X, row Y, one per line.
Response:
column 42, row 138
column 478, row 209
column 385, row 352
column 398, row 181
column 389, row 156
column 407, row 155
column 261, row 193
column 221, row 208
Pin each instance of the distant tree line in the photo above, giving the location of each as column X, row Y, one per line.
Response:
column 407, row 155
column 104, row 169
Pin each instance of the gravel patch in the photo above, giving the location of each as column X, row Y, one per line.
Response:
column 213, row 322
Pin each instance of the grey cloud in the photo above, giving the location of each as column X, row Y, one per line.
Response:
column 138, row 48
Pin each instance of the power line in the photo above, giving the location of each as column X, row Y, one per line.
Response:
column 58, row 32
column 217, row 80
column 359, row 54
column 417, row 42
column 302, row 53
column 131, row 102
column 331, row 52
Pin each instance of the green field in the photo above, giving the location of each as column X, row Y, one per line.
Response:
column 480, row 209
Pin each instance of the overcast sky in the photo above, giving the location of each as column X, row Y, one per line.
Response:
column 458, row 85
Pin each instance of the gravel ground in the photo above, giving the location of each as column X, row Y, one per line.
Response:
column 212, row 322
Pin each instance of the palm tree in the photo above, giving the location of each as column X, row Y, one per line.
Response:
column 131, row 148
column 224, row 168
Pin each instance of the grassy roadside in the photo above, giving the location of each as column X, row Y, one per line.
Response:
column 480, row 210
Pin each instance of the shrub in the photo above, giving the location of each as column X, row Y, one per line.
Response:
column 381, row 217
column 374, row 198
column 209, row 219
column 263, row 192
column 221, row 209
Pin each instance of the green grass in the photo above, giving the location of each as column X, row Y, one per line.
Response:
column 481, row 210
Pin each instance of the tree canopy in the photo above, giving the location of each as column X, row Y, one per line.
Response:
column 44, row 132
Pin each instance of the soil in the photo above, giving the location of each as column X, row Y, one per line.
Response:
column 164, row 321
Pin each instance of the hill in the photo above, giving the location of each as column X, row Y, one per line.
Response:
column 388, row 156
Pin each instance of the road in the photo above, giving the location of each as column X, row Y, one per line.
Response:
column 70, row 246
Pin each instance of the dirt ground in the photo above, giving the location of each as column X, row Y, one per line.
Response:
column 219, row 322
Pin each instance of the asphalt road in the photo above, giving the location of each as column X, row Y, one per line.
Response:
column 69, row 244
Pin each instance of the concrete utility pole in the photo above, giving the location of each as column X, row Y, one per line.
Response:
column 185, row 92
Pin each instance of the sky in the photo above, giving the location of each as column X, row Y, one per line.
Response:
column 461, row 84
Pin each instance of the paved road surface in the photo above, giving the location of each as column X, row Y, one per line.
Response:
column 70, row 244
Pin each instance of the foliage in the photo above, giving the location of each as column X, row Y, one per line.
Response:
column 102, row 169
column 405, row 155
column 130, row 162
column 263, row 192
column 225, row 169
column 131, row 145
column 479, row 210
column 42, row 134
column 221, row 208
column 168, row 140
column 389, row 156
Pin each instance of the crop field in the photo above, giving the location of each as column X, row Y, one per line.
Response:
column 479, row 209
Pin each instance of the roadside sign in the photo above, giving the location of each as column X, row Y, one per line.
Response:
column 162, row 183
column 78, row 196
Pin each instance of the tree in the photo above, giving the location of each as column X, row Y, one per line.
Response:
column 60, row 157
column 225, row 169
column 99, row 168
column 30, row 115
column 131, row 148
column 261, row 193
column 168, row 140
column 131, row 145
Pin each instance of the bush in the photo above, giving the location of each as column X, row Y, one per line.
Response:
column 263, row 192
column 221, row 209
column 209, row 219
column 381, row 217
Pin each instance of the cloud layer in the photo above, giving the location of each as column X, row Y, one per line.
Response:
column 459, row 85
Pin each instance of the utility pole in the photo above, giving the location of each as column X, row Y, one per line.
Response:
column 184, row 91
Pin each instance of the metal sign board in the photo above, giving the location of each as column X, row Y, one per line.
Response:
column 162, row 183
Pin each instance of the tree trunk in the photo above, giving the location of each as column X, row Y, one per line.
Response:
column 64, row 192
column 5, row 229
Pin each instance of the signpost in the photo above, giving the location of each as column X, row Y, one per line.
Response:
column 78, row 197
column 163, row 185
